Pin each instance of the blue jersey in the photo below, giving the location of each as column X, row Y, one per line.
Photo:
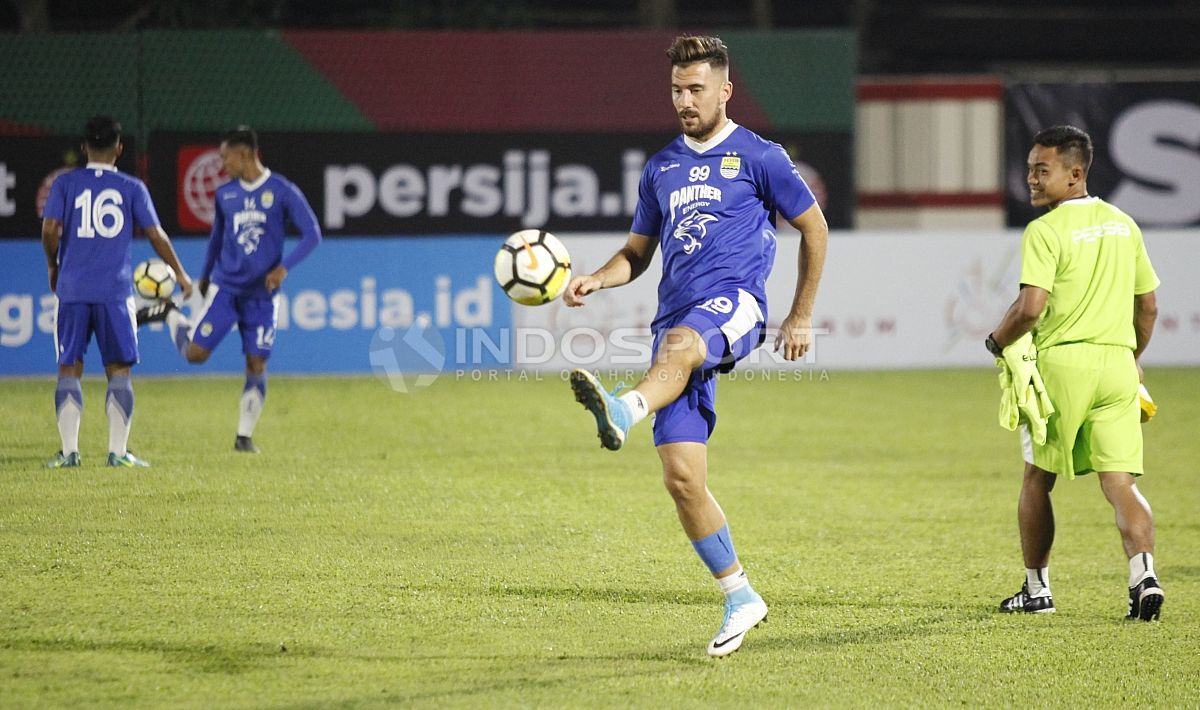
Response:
column 99, row 208
column 712, row 207
column 250, row 221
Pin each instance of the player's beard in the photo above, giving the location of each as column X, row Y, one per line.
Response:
column 702, row 129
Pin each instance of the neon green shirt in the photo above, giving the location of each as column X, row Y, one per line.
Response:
column 1091, row 258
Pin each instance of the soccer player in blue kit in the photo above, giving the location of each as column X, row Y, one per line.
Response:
column 243, row 270
column 709, row 201
column 87, row 233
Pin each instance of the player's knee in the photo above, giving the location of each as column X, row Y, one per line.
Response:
column 683, row 483
column 1039, row 480
column 197, row 355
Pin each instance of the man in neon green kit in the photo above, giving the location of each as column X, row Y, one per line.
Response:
column 1087, row 294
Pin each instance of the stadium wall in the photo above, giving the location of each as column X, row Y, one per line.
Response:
column 417, row 305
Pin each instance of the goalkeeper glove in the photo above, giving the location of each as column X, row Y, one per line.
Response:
column 1149, row 408
column 1029, row 391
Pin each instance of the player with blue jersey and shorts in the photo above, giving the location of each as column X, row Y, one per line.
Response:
column 709, row 201
column 243, row 270
column 87, row 233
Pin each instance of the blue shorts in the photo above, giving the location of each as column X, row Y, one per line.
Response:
column 255, row 319
column 731, row 324
column 115, row 327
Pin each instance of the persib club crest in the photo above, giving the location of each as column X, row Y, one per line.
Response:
column 268, row 199
column 730, row 166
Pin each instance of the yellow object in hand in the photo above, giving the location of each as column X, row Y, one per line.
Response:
column 1149, row 408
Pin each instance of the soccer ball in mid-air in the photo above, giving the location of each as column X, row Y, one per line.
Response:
column 153, row 279
column 533, row 267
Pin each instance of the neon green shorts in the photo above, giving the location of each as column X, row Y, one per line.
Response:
column 1096, row 425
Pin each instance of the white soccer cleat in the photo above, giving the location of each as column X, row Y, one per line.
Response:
column 739, row 618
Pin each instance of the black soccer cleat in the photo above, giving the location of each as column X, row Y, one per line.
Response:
column 155, row 312
column 245, row 445
column 1021, row 602
column 1145, row 600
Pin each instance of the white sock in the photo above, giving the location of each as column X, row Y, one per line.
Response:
column 249, row 411
column 637, row 405
column 1141, row 566
column 69, row 413
column 730, row 583
column 1038, row 581
column 178, row 328
column 119, row 405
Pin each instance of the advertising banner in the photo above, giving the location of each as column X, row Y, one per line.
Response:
column 1147, row 159
column 28, row 166
column 355, row 305
column 410, row 309
column 888, row 300
column 462, row 183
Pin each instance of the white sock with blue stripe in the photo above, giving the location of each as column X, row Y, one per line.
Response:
column 178, row 328
column 253, row 395
column 68, row 408
column 119, row 405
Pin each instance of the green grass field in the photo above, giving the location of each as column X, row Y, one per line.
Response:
column 471, row 546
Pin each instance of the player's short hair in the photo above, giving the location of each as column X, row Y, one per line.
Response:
column 102, row 132
column 688, row 49
column 241, row 135
column 1073, row 144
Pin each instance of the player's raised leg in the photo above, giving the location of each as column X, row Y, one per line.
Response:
column 681, row 351
column 685, row 474
column 214, row 322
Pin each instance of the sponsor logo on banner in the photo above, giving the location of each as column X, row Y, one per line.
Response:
column 199, row 175
column 439, row 183
column 44, row 188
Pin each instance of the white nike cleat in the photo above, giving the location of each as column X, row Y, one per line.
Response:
column 739, row 618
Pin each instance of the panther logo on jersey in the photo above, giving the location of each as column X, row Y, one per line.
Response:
column 692, row 229
column 249, row 239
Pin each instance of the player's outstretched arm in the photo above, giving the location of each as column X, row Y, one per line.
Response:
column 166, row 251
column 795, row 334
column 625, row 266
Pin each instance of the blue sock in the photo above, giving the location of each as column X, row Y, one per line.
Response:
column 716, row 550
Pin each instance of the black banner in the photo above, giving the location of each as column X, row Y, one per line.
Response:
column 1147, row 145
column 28, row 166
column 363, row 184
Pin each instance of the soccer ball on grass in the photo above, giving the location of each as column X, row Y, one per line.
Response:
column 153, row 279
column 533, row 267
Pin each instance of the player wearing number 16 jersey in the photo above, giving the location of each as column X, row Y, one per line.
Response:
column 87, row 233
column 708, row 200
